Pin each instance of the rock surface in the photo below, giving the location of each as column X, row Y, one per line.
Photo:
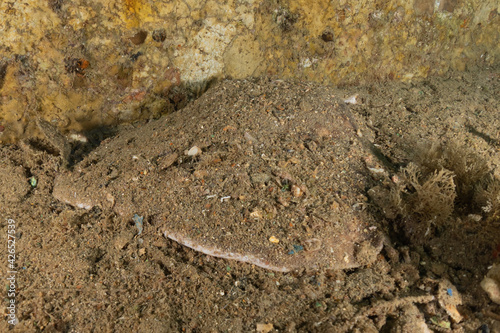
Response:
column 81, row 64
column 491, row 283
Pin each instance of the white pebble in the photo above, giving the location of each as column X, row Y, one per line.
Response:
column 195, row 150
column 351, row 100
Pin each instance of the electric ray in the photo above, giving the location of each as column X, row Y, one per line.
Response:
column 267, row 172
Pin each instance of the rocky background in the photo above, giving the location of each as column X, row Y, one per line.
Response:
column 87, row 64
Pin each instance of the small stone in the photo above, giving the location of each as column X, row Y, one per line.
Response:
column 296, row 191
column 352, row 99
column 260, row 177
column 448, row 298
column 33, row 182
column 229, row 128
column 274, row 240
column 256, row 214
column 113, row 173
column 264, row 328
column 335, row 206
column 110, row 198
column 194, row 151
column 139, row 222
column 475, row 217
column 491, row 285
column 166, row 161
column 283, row 201
column 200, row 174
column 78, row 137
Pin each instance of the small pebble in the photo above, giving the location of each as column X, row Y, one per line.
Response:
column 351, row 100
column 274, row 240
column 264, row 328
column 296, row 191
column 78, row 137
column 138, row 220
column 256, row 214
column 195, row 150
column 33, row 182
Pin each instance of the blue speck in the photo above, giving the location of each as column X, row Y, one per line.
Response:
column 138, row 222
column 296, row 249
column 450, row 292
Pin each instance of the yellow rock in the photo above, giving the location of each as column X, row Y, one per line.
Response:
column 274, row 240
column 242, row 57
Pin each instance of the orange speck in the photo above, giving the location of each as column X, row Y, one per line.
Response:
column 229, row 128
column 82, row 63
